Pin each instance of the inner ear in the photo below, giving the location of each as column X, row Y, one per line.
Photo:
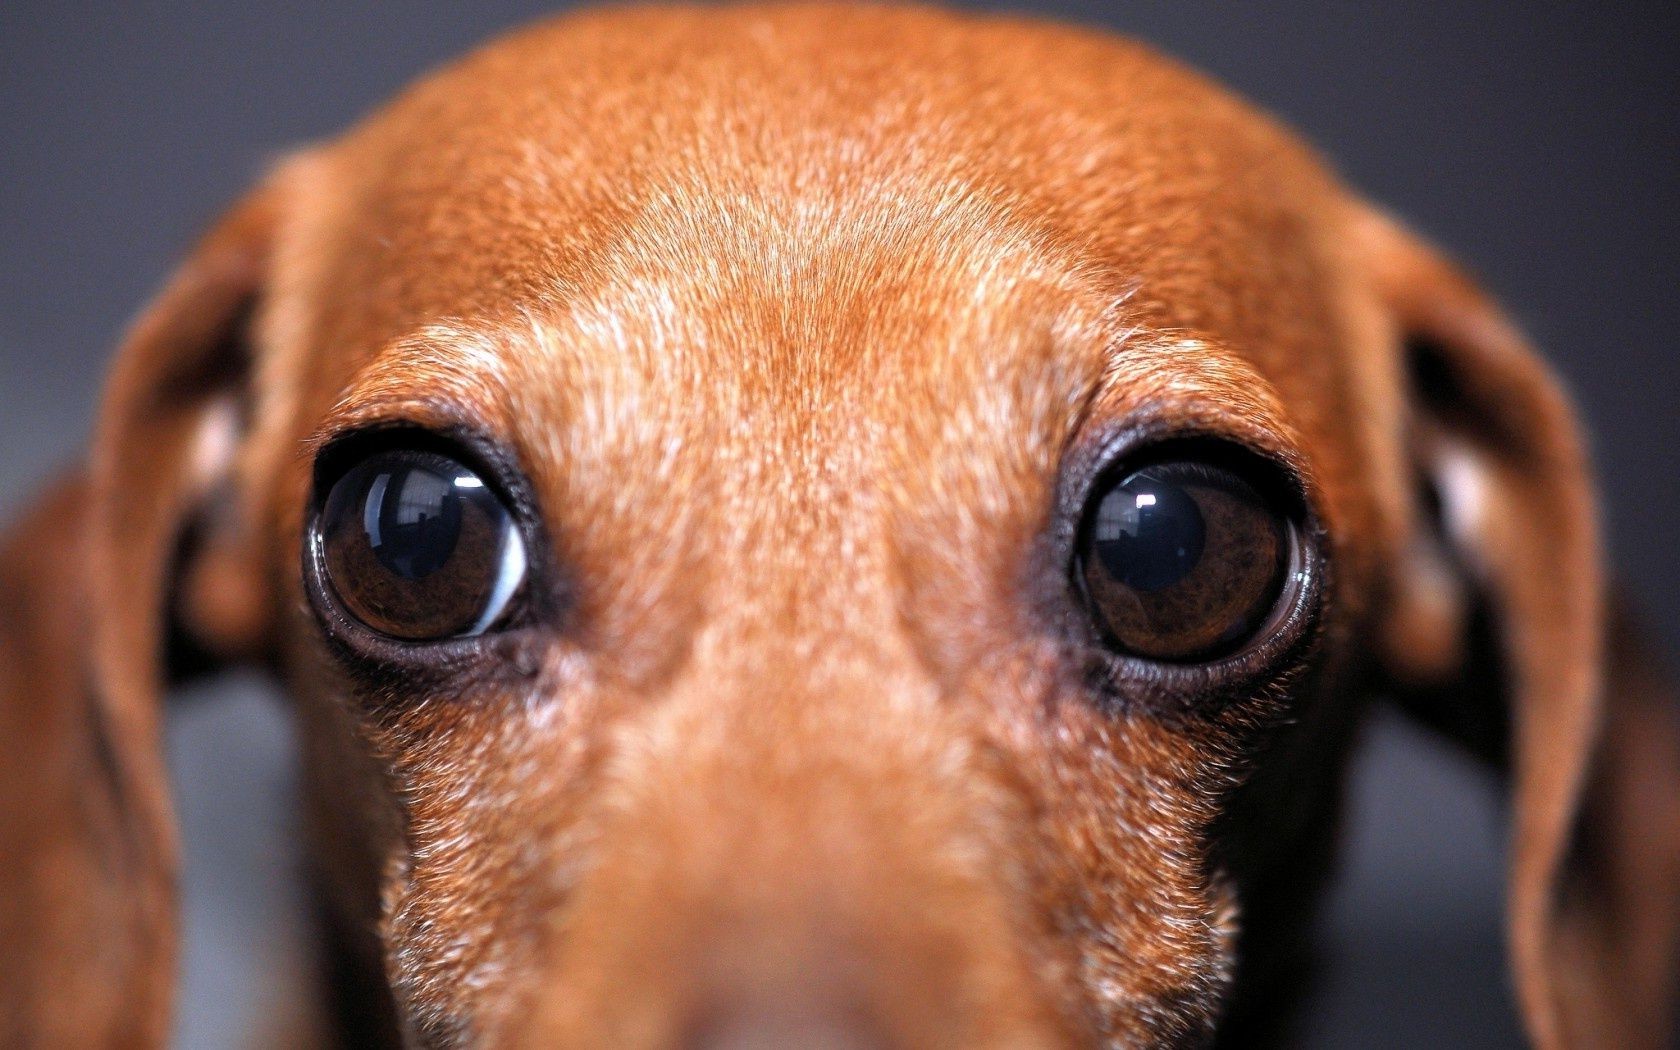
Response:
column 215, row 612
column 1443, row 649
column 1450, row 398
column 187, row 417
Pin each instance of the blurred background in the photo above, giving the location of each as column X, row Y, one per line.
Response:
column 1537, row 142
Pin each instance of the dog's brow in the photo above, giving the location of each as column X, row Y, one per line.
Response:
column 1185, row 384
column 1165, row 368
column 443, row 376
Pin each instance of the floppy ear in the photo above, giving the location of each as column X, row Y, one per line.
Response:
column 1497, row 636
column 91, row 608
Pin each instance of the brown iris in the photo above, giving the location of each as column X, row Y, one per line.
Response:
column 416, row 546
column 1184, row 561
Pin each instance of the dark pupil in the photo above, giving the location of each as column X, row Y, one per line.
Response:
column 413, row 519
column 1184, row 561
column 414, row 545
column 1149, row 533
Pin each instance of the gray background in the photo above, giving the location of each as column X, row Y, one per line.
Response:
column 1536, row 141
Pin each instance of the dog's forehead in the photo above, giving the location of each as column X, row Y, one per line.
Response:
column 792, row 240
column 679, row 135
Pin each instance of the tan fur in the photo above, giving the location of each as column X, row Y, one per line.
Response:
column 795, row 317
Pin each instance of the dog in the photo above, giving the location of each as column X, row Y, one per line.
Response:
column 823, row 526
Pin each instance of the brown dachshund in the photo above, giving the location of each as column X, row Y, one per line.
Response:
column 822, row 526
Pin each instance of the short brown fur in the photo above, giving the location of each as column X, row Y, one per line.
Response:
column 797, row 320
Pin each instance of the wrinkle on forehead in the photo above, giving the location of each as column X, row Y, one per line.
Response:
column 796, row 332
column 794, row 259
column 758, row 322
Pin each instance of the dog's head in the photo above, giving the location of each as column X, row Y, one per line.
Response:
column 820, row 524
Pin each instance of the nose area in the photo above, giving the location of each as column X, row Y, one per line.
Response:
column 867, row 957
column 940, row 972
column 782, row 1027
column 773, row 1006
column 800, row 874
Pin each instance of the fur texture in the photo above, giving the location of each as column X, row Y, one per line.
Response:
column 799, row 325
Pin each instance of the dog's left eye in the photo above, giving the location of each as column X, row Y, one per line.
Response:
column 416, row 546
column 1185, row 561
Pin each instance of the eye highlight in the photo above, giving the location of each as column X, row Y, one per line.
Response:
column 415, row 545
column 1184, row 560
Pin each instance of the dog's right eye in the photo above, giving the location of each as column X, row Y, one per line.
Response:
column 1185, row 561
column 418, row 547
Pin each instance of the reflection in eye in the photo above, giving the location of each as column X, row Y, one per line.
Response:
column 417, row 546
column 1184, row 561
column 1149, row 535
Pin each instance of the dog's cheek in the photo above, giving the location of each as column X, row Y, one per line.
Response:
column 1127, row 802
column 498, row 835
column 467, row 831
column 1118, row 805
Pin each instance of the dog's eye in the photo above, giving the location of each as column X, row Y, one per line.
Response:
column 1184, row 561
column 418, row 547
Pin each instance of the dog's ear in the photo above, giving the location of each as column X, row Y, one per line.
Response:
column 1500, row 634
column 128, row 570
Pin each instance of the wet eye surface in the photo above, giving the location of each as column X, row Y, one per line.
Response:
column 1184, row 560
column 416, row 546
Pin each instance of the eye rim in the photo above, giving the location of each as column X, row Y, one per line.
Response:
column 535, row 603
column 1288, row 630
